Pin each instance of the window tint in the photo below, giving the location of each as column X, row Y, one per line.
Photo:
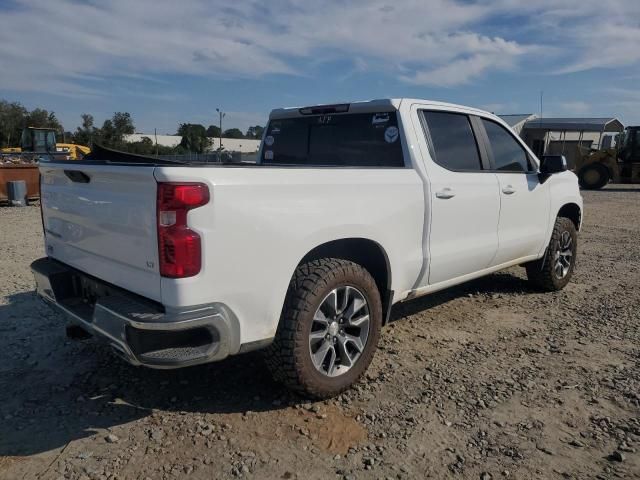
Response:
column 453, row 141
column 354, row 140
column 508, row 154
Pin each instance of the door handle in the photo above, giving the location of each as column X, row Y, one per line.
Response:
column 445, row 193
column 77, row 176
column 508, row 190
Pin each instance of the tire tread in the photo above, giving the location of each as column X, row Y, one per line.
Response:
column 540, row 272
column 281, row 356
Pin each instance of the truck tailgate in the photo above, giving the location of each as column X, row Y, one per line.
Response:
column 101, row 219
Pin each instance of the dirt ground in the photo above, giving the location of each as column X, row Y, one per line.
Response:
column 488, row 380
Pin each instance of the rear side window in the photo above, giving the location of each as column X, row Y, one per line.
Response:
column 508, row 154
column 454, row 144
column 350, row 140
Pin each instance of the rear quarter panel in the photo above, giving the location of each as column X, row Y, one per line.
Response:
column 262, row 221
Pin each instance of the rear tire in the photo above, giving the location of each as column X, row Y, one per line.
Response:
column 324, row 314
column 553, row 271
column 593, row 176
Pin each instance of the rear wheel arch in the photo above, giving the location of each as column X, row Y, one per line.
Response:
column 363, row 251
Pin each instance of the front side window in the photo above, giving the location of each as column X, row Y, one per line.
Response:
column 508, row 154
column 454, row 144
column 351, row 140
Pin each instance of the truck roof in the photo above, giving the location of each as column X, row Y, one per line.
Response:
column 365, row 106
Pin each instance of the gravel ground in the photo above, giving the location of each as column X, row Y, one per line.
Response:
column 488, row 380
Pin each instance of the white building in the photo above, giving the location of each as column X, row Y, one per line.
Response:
column 244, row 145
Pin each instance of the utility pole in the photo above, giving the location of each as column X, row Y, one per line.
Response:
column 222, row 115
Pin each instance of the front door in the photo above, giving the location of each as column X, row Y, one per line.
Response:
column 464, row 198
column 524, row 201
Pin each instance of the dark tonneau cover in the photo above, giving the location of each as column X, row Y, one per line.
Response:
column 104, row 154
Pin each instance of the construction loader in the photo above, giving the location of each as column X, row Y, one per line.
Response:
column 36, row 142
column 621, row 164
column 21, row 163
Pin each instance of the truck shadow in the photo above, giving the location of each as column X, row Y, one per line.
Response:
column 54, row 390
column 616, row 190
column 496, row 283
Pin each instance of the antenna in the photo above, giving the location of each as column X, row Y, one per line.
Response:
column 541, row 101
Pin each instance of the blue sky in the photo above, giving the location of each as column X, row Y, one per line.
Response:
column 168, row 62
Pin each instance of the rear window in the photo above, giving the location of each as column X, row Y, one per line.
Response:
column 453, row 141
column 349, row 140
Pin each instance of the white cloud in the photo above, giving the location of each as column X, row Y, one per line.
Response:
column 576, row 107
column 57, row 45
column 608, row 46
column 501, row 108
column 585, row 34
column 623, row 103
column 67, row 46
column 489, row 54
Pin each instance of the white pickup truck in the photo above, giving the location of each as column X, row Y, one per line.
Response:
column 350, row 209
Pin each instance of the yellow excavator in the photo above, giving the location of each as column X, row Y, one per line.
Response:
column 43, row 141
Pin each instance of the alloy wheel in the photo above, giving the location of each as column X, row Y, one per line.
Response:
column 564, row 255
column 339, row 331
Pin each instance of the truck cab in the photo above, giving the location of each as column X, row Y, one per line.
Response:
column 38, row 140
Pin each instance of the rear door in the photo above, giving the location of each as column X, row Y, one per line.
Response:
column 524, row 201
column 464, row 198
column 101, row 219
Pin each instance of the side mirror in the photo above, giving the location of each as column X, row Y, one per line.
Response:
column 551, row 164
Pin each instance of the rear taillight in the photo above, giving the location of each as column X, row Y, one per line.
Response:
column 179, row 248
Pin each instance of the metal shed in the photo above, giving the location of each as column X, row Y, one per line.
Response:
column 517, row 121
column 563, row 135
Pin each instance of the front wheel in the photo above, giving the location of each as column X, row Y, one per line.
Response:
column 329, row 329
column 553, row 271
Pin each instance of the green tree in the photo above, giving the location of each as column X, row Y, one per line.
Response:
column 123, row 124
column 233, row 133
column 194, row 137
column 13, row 118
column 146, row 146
column 255, row 132
column 41, row 118
column 213, row 131
column 114, row 130
column 86, row 133
column 107, row 134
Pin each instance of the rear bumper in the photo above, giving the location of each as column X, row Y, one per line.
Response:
column 139, row 330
